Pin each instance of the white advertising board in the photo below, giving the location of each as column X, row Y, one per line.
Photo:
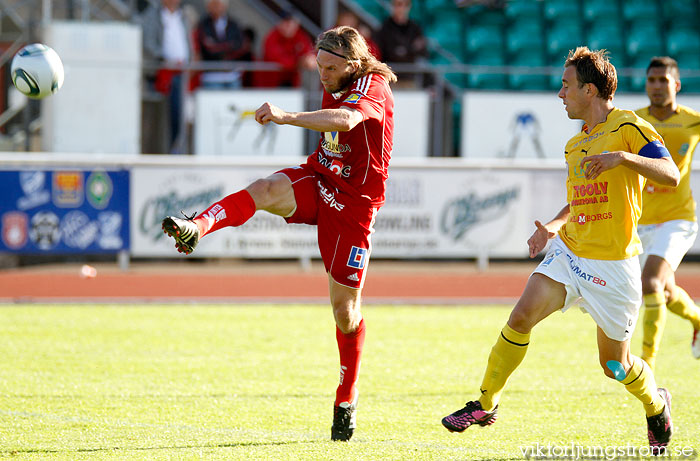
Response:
column 225, row 123
column 514, row 125
column 158, row 192
column 529, row 125
column 430, row 212
column 98, row 109
column 411, row 123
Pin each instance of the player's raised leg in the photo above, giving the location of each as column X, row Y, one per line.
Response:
column 541, row 297
column 350, row 335
column 273, row 194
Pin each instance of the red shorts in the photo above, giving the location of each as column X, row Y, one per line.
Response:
column 344, row 229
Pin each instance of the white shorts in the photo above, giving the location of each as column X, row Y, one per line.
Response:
column 610, row 291
column 670, row 240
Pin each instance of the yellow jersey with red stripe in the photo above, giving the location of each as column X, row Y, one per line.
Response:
column 604, row 211
column 681, row 133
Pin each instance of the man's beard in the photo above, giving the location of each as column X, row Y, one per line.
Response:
column 343, row 83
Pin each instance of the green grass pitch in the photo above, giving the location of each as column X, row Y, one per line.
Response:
column 257, row 382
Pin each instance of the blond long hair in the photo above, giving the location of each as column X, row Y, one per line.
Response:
column 346, row 42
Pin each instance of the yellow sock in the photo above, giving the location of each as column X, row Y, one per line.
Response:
column 654, row 322
column 505, row 357
column 640, row 383
column 684, row 306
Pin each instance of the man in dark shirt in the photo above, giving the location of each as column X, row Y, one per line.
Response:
column 400, row 39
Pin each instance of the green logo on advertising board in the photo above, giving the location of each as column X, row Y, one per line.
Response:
column 99, row 189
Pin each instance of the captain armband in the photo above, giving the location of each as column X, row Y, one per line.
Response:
column 654, row 149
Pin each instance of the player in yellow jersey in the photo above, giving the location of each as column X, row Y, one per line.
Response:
column 592, row 259
column 668, row 225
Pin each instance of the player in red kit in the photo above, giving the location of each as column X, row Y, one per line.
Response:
column 339, row 189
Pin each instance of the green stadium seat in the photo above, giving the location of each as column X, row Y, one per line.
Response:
column 555, row 80
column 524, row 36
column 610, row 38
column 644, row 40
column 487, row 79
column 637, row 10
column 681, row 13
column 561, row 10
column 523, row 10
column 527, row 81
column 686, row 63
column 430, row 4
column 561, row 38
column 374, row 8
column 596, row 10
column 484, row 38
column 447, row 28
column 682, row 41
column 637, row 82
column 483, row 16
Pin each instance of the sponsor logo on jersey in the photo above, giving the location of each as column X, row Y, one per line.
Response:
column 331, row 145
column 329, row 197
column 586, row 194
column 576, row 269
column 335, row 166
column 588, row 139
column 353, row 98
column 14, row 229
column 354, row 277
column 584, row 218
column 357, row 258
column 597, row 188
column 650, row 188
column 579, row 172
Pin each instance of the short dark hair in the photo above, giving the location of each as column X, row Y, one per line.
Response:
column 594, row 66
column 666, row 62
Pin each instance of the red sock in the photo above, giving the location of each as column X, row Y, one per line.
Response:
column 350, row 349
column 232, row 210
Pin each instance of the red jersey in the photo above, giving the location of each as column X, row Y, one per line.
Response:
column 356, row 161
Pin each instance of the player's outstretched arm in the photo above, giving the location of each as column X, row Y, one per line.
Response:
column 544, row 232
column 342, row 119
column 661, row 170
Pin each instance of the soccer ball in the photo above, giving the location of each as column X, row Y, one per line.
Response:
column 37, row 71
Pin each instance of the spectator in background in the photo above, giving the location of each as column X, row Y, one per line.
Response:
column 348, row 18
column 166, row 39
column 218, row 38
column 400, row 39
column 289, row 46
column 249, row 36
